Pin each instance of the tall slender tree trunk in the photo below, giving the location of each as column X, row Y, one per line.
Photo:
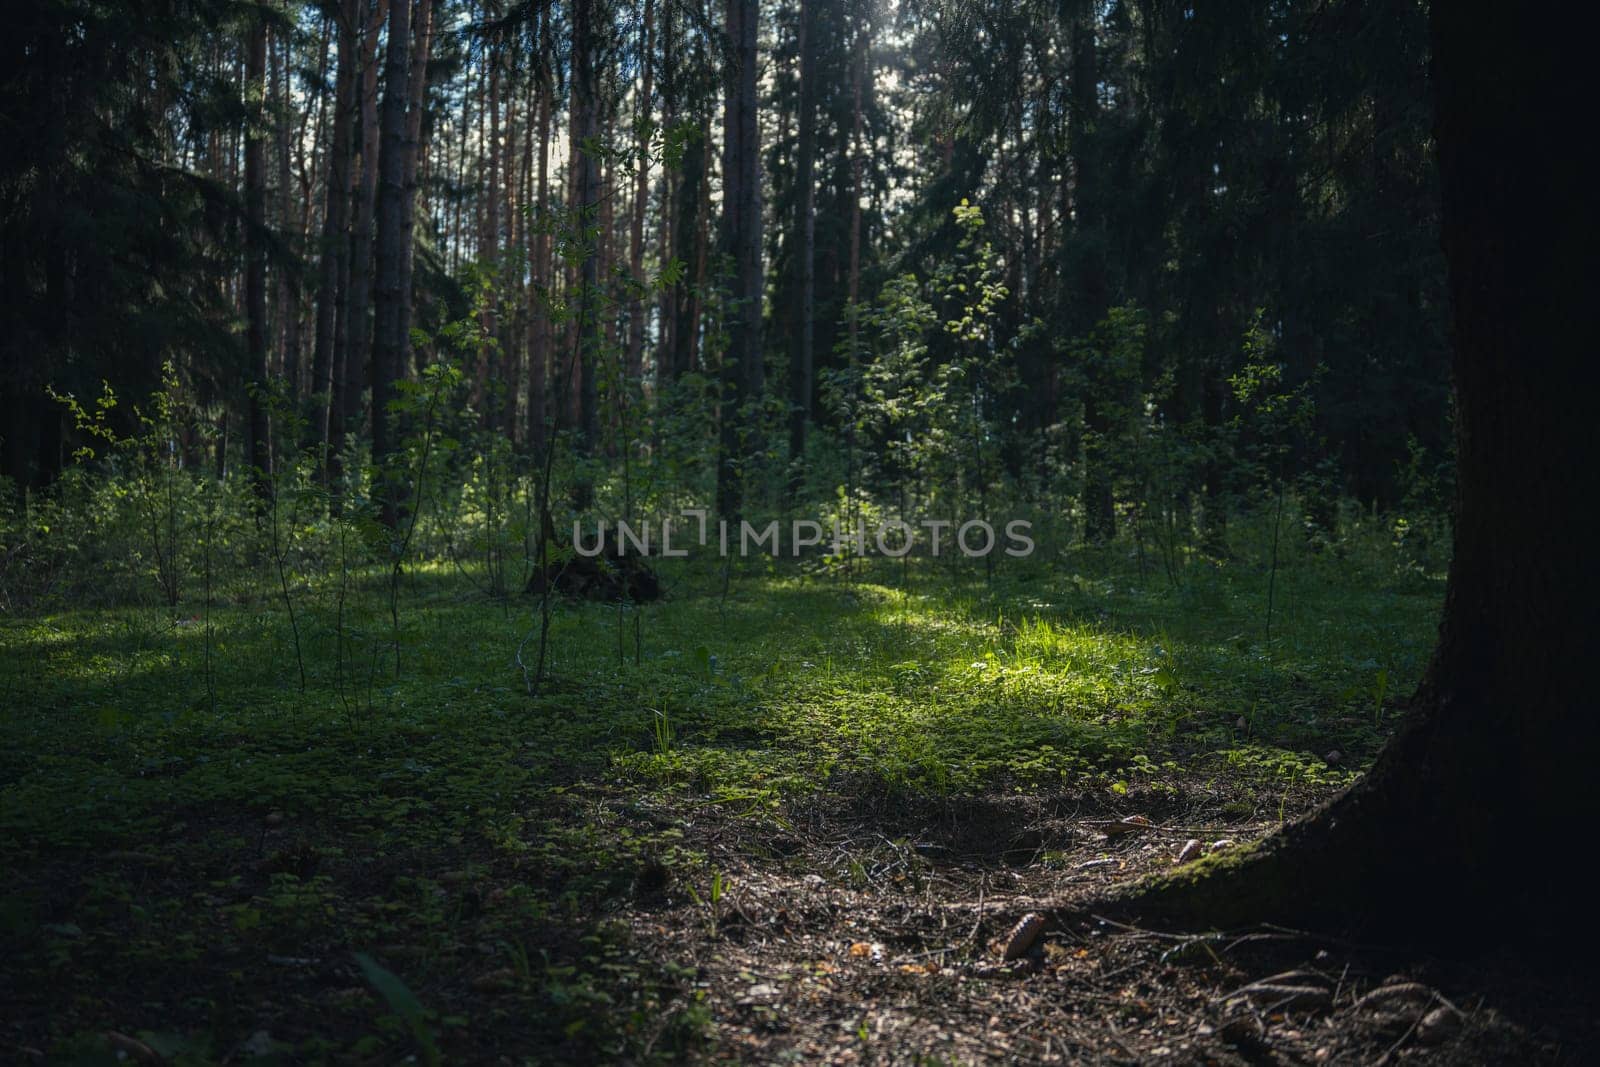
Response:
column 287, row 292
column 853, row 284
column 857, row 184
column 357, row 347
column 388, row 346
column 416, row 104
column 702, row 247
column 641, row 196
column 570, row 379
column 667, row 301
column 457, row 237
column 802, row 359
column 539, row 332
column 689, row 248
column 519, row 187
column 489, row 246
column 335, row 229
column 586, row 177
column 742, row 374
column 308, row 142
column 607, row 224
column 258, row 425
column 1099, row 522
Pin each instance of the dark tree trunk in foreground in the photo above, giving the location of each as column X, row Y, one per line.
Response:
column 1468, row 825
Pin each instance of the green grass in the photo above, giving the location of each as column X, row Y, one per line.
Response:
column 165, row 839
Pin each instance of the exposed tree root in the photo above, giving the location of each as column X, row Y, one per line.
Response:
column 1409, row 854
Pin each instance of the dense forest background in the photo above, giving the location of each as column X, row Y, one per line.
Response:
column 1134, row 265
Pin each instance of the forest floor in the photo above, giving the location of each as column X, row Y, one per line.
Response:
column 785, row 824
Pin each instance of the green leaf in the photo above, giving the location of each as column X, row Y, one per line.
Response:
column 402, row 1001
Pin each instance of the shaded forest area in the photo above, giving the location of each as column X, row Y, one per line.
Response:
column 1148, row 258
column 354, row 351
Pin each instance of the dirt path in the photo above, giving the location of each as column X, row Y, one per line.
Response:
column 837, row 942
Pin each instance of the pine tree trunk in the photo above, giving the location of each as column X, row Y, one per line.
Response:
column 586, row 176
column 607, row 252
column 688, row 248
column 388, row 346
column 457, row 235
column 519, row 183
column 258, row 424
column 287, row 294
column 641, row 197
column 853, row 284
column 489, row 250
column 668, row 300
column 357, row 346
column 335, row 230
column 416, row 102
column 1099, row 516
column 741, row 236
column 802, row 359
column 539, row 330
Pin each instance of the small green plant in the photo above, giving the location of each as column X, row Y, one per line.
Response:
column 663, row 732
column 403, row 1003
column 712, row 901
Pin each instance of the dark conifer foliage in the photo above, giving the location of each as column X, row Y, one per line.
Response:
column 123, row 213
column 281, row 199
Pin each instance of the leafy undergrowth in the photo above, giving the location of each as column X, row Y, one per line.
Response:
column 778, row 823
